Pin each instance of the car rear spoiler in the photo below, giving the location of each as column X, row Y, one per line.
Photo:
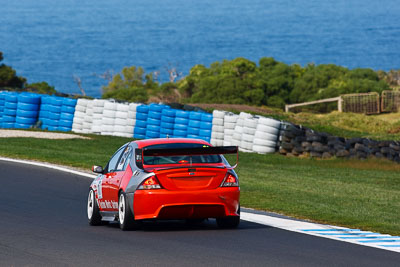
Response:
column 196, row 151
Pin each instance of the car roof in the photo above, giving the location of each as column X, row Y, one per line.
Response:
column 158, row 141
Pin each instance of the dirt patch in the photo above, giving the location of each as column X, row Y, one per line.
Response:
column 233, row 107
column 36, row 134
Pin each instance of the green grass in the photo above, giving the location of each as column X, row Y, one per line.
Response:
column 357, row 194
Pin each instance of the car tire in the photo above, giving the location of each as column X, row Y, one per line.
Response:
column 229, row 222
column 125, row 217
column 93, row 211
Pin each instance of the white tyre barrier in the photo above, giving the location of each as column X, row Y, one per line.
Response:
column 269, row 122
column 267, row 129
column 119, row 121
column 263, row 142
column 263, row 149
column 219, row 114
column 247, row 130
column 247, row 137
column 109, row 113
column 266, row 136
column 218, row 121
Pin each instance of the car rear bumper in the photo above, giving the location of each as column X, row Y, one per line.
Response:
column 165, row 204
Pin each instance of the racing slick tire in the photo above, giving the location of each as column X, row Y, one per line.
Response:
column 229, row 222
column 125, row 216
column 93, row 211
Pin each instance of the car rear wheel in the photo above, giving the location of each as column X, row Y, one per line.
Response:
column 228, row 222
column 93, row 212
column 125, row 216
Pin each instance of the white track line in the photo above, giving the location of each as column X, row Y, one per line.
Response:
column 354, row 236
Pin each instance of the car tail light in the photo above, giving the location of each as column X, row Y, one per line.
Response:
column 150, row 183
column 230, row 180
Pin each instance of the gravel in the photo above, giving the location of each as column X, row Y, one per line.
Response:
column 36, row 134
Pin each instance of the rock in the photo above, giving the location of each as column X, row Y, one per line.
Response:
column 304, row 144
column 314, row 154
column 287, row 146
column 283, row 151
column 342, row 153
column 326, row 155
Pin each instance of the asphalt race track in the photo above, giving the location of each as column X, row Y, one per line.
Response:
column 43, row 222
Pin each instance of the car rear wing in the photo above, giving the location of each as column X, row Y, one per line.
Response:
column 195, row 151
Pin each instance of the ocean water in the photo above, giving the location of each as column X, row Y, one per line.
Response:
column 52, row 41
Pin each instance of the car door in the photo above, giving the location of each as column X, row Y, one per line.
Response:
column 119, row 173
column 109, row 202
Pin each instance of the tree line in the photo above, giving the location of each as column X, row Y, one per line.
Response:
column 241, row 81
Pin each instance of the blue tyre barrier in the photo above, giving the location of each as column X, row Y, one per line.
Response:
column 46, row 107
column 151, row 134
column 141, row 124
column 155, row 107
column 7, row 118
column 206, row 117
column 22, row 125
column 7, row 125
column 11, row 97
column 141, row 116
column 52, row 128
column 51, row 122
column 194, row 136
column 179, row 133
column 154, row 128
column 64, row 123
column 207, row 139
column 142, row 109
column 194, row 115
column 205, row 133
column 167, row 125
column 162, row 135
column 206, row 125
column 154, row 115
column 153, row 121
column 25, row 120
column 67, row 109
column 54, row 116
column 46, row 100
column 64, row 129
column 29, row 99
column 10, row 105
column 179, row 120
column 10, row 112
column 140, row 130
column 56, row 101
column 193, row 131
column 69, row 102
column 167, row 119
column 27, row 113
column 55, row 109
column 27, row 106
column 166, row 131
column 139, row 136
column 194, row 124
column 169, row 112
column 67, row 116
column 181, row 127
column 44, row 114
column 182, row 114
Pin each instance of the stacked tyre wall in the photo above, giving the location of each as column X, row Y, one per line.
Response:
column 303, row 142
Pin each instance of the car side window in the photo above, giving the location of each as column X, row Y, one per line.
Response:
column 124, row 160
column 112, row 164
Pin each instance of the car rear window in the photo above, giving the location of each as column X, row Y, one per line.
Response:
column 159, row 160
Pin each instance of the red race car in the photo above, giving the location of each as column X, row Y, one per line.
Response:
column 173, row 178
